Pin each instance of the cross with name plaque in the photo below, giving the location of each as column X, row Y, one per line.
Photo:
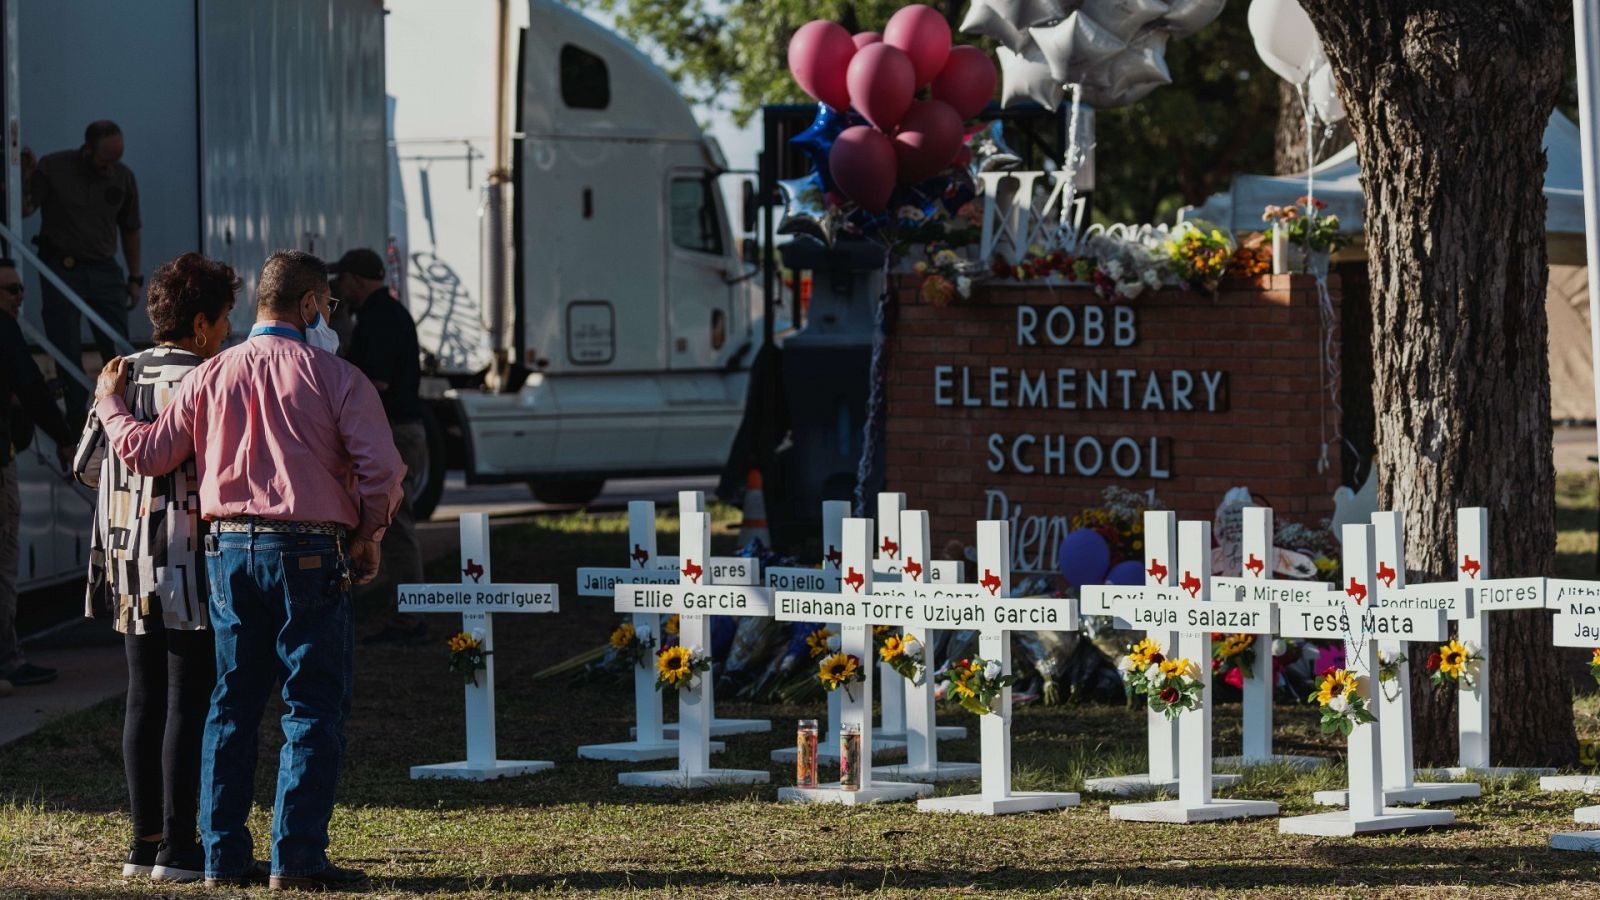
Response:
column 1188, row 610
column 478, row 598
column 1394, row 699
column 693, row 598
column 1255, row 582
column 1574, row 628
column 1361, row 625
column 645, row 566
column 1160, row 577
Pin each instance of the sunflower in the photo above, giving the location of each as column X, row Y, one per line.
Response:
column 1595, row 659
column 673, row 664
column 1145, row 654
column 462, row 643
column 839, row 670
column 817, row 641
column 1452, row 659
column 893, row 647
column 1338, row 683
column 1235, row 644
column 623, row 636
column 671, row 626
column 1176, row 668
column 880, row 630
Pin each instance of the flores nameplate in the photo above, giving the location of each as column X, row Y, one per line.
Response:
column 499, row 598
column 694, row 600
column 928, row 611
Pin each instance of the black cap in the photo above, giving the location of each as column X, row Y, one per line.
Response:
column 361, row 262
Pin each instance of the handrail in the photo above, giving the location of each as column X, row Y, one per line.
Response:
column 75, row 369
column 21, row 249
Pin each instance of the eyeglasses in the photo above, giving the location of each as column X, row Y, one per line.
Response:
column 14, row 290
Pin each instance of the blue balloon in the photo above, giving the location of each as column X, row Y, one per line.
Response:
column 1129, row 572
column 816, row 142
column 1084, row 557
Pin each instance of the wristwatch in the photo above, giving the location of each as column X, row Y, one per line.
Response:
column 136, row 280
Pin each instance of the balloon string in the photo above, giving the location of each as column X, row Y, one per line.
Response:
column 875, row 398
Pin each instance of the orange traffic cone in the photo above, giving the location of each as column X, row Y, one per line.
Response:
column 754, row 526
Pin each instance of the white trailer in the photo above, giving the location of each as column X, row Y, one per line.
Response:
column 251, row 127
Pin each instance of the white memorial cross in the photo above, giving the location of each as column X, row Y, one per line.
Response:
column 1576, row 599
column 695, row 597
column 478, row 598
column 1488, row 595
column 889, row 561
column 644, row 567
column 1361, row 625
column 922, row 729
column 1255, row 582
column 1394, row 700
column 824, row 580
column 1576, row 629
column 848, row 607
column 1160, row 577
column 1188, row 610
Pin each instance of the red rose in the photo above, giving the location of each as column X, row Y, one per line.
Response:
column 1216, row 664
column 1170, row 695
column 1234, row 678
column 1433, row 661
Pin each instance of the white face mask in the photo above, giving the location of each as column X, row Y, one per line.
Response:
column 319, row 335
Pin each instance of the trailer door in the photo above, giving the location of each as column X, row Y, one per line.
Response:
column 699, row 297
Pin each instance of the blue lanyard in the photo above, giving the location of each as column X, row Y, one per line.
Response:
column 278, row 331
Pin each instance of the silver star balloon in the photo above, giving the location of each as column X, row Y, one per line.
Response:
column 1130, row 76
column 1186, row 17
column 1075, row 45
column 1124, row 18
column 805, row 210
column 986, row 21
column 1027, row 76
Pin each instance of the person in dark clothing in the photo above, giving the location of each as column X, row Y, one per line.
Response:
column 23, row 397
column 147, row 573
column 87, row 200
column 384, row 347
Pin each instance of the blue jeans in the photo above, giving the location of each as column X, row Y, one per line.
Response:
column 280, row 609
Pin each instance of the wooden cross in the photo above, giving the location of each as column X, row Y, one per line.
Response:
column 645, row 566
column 1361, row 625
column 1161, row 577
column 1188, row 610
column 1255, row 582
column 696, row 596
column 478, row 598
column 1576, row 624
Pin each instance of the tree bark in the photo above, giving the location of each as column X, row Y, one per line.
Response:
column 1289, row 142
column 1448, row 102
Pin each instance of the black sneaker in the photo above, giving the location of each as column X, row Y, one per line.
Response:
column 29, row 674
column 333, row 878
column 257, row 874
column 180, row 865
column 141, row 859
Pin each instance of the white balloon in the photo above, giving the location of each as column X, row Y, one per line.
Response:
column 983, row 19
column 1285, row 38
column 1189, row 16
column 1324, row 95
column 1026, row 76
column 1075, row 45
column 1123, row 18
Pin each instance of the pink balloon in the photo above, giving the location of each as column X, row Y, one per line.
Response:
column 966, row 82
column 862, row 163
column 863, row 38
column 922, row 32
column 819, row 56
column 882, row 83
column 928, row 139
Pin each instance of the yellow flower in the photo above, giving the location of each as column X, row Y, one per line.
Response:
column 838, row 670
column 1452, row 658
column 880, row 629
column 1596, row 658
column 673, row 664
column 1337, row 683
column 1235, row 644
column 671, row 627
column 1175, row 668
column 462, row 642
column 622, row 636
column 893, row 647
column 817, row 641
column 1325, row 565
column 1145, row 653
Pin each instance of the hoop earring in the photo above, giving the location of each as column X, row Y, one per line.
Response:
column 200, row 342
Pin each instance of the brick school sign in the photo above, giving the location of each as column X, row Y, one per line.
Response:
column 1025, row 402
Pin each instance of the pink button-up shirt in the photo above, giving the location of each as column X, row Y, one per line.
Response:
column 279, row 430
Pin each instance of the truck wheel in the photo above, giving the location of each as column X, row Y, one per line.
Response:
column 425, row 495
column 575, row 492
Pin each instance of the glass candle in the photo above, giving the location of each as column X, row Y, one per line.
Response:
column 805, row 759
column 850, row 757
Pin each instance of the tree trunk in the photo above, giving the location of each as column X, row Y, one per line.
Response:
column 1448, row 116
column 1289, row 142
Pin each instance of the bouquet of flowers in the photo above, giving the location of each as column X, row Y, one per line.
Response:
column 821, row 642
column 1305, row 225
column 945, row 276
column 467, row 655
column 840, row 671
column 976, row 683
column 1343, row 707
column 1120, row 521
column 903, row 653
column 631, row 648
column 1231, row 654
column 1169, row 686
column 1389, row 672
column 1454, row 663
column 1199, row 253
column 1252, row 258
column 678, row 667
column 1126, row 267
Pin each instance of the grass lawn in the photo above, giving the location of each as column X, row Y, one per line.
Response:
column 63, row 825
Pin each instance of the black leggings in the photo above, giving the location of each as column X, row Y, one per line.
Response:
column 170, row 678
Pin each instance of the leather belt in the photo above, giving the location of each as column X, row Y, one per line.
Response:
column 248, row 524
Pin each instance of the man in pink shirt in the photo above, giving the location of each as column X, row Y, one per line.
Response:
column 299, row 478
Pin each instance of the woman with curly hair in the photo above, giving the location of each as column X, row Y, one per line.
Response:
column 147, row 574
